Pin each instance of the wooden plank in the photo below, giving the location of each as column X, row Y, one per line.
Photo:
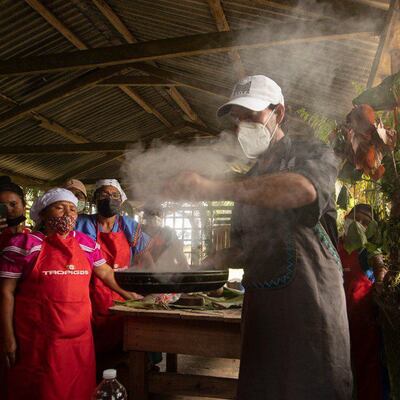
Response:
column 55, row 127
column 205, row 43
column 381, row 64
column 231, row 316
column 114, row 20
column 222, row 25
column 146, row 106
column 56, row 23
column 86, row 80
column 180, row 79
column 185, row 106
column 67, row 148
column 138, row 382
column 129, row 80
column 183, row 336
column 22, row 179
column 89, row 166
column 192, row 385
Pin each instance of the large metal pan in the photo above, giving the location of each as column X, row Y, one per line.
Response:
column 171, row 282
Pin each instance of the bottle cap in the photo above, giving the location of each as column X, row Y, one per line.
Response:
column 109, row 374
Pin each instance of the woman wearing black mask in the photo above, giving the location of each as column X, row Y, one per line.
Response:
column 122, row 242
column 12, row 202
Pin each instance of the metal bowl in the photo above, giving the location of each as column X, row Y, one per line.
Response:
column 171, row 282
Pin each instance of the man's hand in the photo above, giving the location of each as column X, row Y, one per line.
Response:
column 9, row 349
column 188, row 186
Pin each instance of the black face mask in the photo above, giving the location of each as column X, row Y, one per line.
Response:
column 16, row 221
column 108, row 207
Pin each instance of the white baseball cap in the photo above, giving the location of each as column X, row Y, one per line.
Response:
column 255, row 92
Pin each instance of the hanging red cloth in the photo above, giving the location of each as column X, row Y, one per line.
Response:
column 107, row 328
column 364, row 331
column 55, row 354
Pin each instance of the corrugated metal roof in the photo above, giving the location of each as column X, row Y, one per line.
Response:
column 320, row 76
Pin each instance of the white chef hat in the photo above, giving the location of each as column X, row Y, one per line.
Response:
column 114, row 183
column 50, row 197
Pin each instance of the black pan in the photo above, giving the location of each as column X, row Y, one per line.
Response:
column 171, row 282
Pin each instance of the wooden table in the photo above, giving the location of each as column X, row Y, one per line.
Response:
column 204, row 333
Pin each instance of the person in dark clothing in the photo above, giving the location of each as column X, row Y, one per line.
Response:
column 295, row 339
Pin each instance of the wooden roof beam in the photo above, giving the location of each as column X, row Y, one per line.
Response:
column 222, row 25
column 129, row 80
column 117, row 23
column 56, row 23
column 390, row 38
column 146, row 106
column 185, row 106
column 115, row 20
column 205, row 43
column 22, row 179
column 84, row 81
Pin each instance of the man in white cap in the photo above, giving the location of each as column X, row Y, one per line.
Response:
column 295, row 342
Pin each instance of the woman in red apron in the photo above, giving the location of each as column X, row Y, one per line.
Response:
column 13, row 201
column 359, row 280
column 45, row 304
column 120, row 238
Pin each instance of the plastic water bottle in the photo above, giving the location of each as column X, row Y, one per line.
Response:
column 109, row 388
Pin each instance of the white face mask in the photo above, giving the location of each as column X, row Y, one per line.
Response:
column 254, row 137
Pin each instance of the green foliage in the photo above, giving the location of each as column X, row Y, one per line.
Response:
column 321, row 125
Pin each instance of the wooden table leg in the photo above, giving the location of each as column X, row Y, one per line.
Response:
column 172, row 362
column 138, row 385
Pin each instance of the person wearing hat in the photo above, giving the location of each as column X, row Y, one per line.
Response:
column 79, row 190
column 45, row 309
column 165, row 248
column 295, row 337
column 121, row 242
column 361, row 273
column 12, row 200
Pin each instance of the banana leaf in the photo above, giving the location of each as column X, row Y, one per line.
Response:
column 355, row 238
column 381, row 97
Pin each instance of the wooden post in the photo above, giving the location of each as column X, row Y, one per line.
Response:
column 172, row 362
column 138, row 384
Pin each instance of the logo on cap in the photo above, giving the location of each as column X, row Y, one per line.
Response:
column 241, row 89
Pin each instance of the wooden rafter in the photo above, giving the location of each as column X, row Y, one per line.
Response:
column 48, row 124
column 180, row 79
column 87, row 167
column 86, row 80
column 129, row 80
column 185, row 106
column 115, row 20
column 390, row 38
column 223, row 26
column 59, row 129
column 22, row 179
column 119, row 25
column 206, row 43
column 142, row 103
column 56, row 23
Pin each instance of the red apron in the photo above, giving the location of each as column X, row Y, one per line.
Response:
column 364, row 331
column 55, row 354
column 107, row 328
